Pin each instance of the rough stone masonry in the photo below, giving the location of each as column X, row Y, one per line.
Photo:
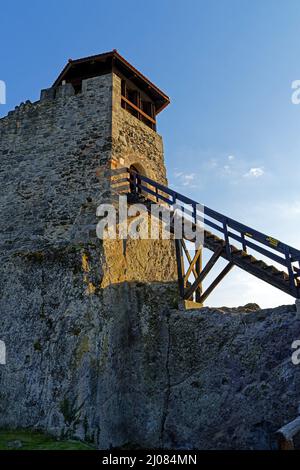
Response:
column 96, row 347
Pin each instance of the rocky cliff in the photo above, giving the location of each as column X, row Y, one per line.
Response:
column 121, row 366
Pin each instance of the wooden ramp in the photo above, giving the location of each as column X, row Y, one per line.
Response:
column 258, row 254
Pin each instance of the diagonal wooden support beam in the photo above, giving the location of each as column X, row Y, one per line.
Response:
column 216, row 282
column 192, row 265
column 186, row 251
column 209, row 265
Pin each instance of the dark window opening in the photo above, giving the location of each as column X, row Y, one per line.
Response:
column 133, row 189
column 78, row 88
column 143, row 110
column 77, row 85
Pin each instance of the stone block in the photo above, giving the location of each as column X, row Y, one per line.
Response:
column 65, row 91
column 47, row 94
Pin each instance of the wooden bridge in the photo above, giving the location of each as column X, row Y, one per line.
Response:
column 263, row 256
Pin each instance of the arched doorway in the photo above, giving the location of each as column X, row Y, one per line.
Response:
column 139, row 170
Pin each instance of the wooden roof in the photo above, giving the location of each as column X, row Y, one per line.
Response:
column 93, row 66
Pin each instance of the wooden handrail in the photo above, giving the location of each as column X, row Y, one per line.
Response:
column 288, row 282
column 136, row 108
column 286, row 434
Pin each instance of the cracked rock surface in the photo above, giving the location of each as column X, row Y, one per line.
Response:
column 232, row 380
column 120, row 367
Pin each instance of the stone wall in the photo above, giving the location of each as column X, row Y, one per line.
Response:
column 61, row 289
column 56, row 156
column 134, row 142
column 50, row 154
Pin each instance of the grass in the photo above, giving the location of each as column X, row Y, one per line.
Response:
column 33, row 440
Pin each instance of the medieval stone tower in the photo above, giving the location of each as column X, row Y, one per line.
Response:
column 99, row 115
column 71, row 304
column 96, row 348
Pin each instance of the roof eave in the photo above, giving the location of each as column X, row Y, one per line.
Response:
column 114, row 54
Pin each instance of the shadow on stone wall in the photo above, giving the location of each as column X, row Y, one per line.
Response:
column 122, row 366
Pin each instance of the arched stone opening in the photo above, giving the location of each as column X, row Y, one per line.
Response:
column 138, row 168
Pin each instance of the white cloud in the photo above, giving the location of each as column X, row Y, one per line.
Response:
column 254, row 172
column 211, row 163
column 227, row 168
column 186, row 179
column 231, row 157
column 189, row 177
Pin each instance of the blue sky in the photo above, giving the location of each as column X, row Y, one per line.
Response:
column 231, row 133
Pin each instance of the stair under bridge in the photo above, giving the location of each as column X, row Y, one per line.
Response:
column 258, row 254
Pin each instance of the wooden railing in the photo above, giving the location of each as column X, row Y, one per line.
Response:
column 227, row 228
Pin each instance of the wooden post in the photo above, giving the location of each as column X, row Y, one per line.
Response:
column 216, row 282
column 198, row 271
column 180, row 266
column 209, row 265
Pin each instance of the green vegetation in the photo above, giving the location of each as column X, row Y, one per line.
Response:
column 33, row 440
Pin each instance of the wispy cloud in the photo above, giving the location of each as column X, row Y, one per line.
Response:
column 233, row 168
column 185, row 179
column 228, row 168
column 254, row 172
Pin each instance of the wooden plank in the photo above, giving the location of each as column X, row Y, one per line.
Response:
column 216, row 282
column 124, row 91
column 180, row 266
column 284, row 444
column 136, row 108
column 139, row 104
column 198, row 270
column 209, row 265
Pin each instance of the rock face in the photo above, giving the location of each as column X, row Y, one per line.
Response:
column 96, row 347
column 232, row 382
column 122, row 368
column 73, row 355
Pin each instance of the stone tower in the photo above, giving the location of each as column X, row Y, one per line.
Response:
column 57, row 155
column 73, row 306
